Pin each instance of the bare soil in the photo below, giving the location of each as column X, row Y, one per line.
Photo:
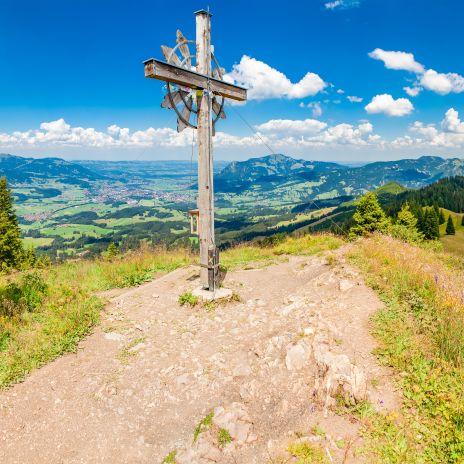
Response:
column 141, row 383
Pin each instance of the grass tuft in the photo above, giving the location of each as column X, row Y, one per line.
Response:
column 223, row 438
column 204, row 424
column 188, row 298
column 170, row 458
column 306, row 453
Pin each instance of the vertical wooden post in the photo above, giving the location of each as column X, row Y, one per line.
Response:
column 205, row 153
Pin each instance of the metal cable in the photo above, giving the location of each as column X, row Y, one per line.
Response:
column 258, row 136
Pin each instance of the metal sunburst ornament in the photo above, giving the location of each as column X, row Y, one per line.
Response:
column 183, row 100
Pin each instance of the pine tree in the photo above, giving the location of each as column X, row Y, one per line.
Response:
column 369, row 216
column 406, row 218
column 11, row 248
column 420, row 217
column 450, row 230
column 431, row 228
column 442, row 219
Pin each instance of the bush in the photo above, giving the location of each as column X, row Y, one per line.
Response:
column 406, row 234
column 273, row 240
column 25, row 295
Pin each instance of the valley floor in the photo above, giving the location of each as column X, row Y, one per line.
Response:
column 270, row 367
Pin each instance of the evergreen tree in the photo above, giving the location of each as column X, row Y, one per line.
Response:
column 450, row 230
column 441, row 217
column 420, row 218
column 431, row 229
column 406, row 218
column 369, row 216
column 405, row 227
column 11, row 248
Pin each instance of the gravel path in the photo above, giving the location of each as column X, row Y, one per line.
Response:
column 268, row 366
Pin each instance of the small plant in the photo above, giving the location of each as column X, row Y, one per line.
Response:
column 306, row 453
column 223, row 438
column 340, row 443
column 170, row 458
column 188, row 298
column 209, row 305
column 317, row 430
column 204, row 425
column 127, row 352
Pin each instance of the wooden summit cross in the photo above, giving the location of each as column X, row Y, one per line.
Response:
column 198, row 91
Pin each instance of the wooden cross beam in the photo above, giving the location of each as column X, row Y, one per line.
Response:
column 157, row 69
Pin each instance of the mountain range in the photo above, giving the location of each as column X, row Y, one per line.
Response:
column 288, row 179
column 20, row 170
column 273, row 172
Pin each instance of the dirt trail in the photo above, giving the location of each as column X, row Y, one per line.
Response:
column 141, row 383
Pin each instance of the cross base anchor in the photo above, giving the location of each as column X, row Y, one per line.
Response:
column 218, row 294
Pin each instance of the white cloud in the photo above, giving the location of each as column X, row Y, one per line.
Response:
column 388, row 105
column 265, row 82
column 397, row 60
column 423, row 135
column 340, row 91
column 285, row 135
column 354, row 99
column 342, row 4
column 412, row 91
column 292, row 126
column 316, row 109
column 452, row 123
column 441, row 83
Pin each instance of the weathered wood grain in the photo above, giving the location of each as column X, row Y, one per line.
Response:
column 157, row 69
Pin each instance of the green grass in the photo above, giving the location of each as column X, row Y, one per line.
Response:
column 205, row 424
column 305, row 245
column 30, row 336
column 453, row 243
column 223, row 438
column 421, row 335
column 170, row 458
column 188, row 298
column 307, row 453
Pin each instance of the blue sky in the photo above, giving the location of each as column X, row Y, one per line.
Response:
column 335, row 80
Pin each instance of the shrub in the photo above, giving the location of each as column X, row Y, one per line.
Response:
column 25, row 295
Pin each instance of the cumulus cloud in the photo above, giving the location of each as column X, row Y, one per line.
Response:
column 397, row 60
column 280, row 134
column 386, row 104
column 354, row 99
column 265, row 82
column 292, row 126
column 441, row 83
column 452, row 122
column 449, row 135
